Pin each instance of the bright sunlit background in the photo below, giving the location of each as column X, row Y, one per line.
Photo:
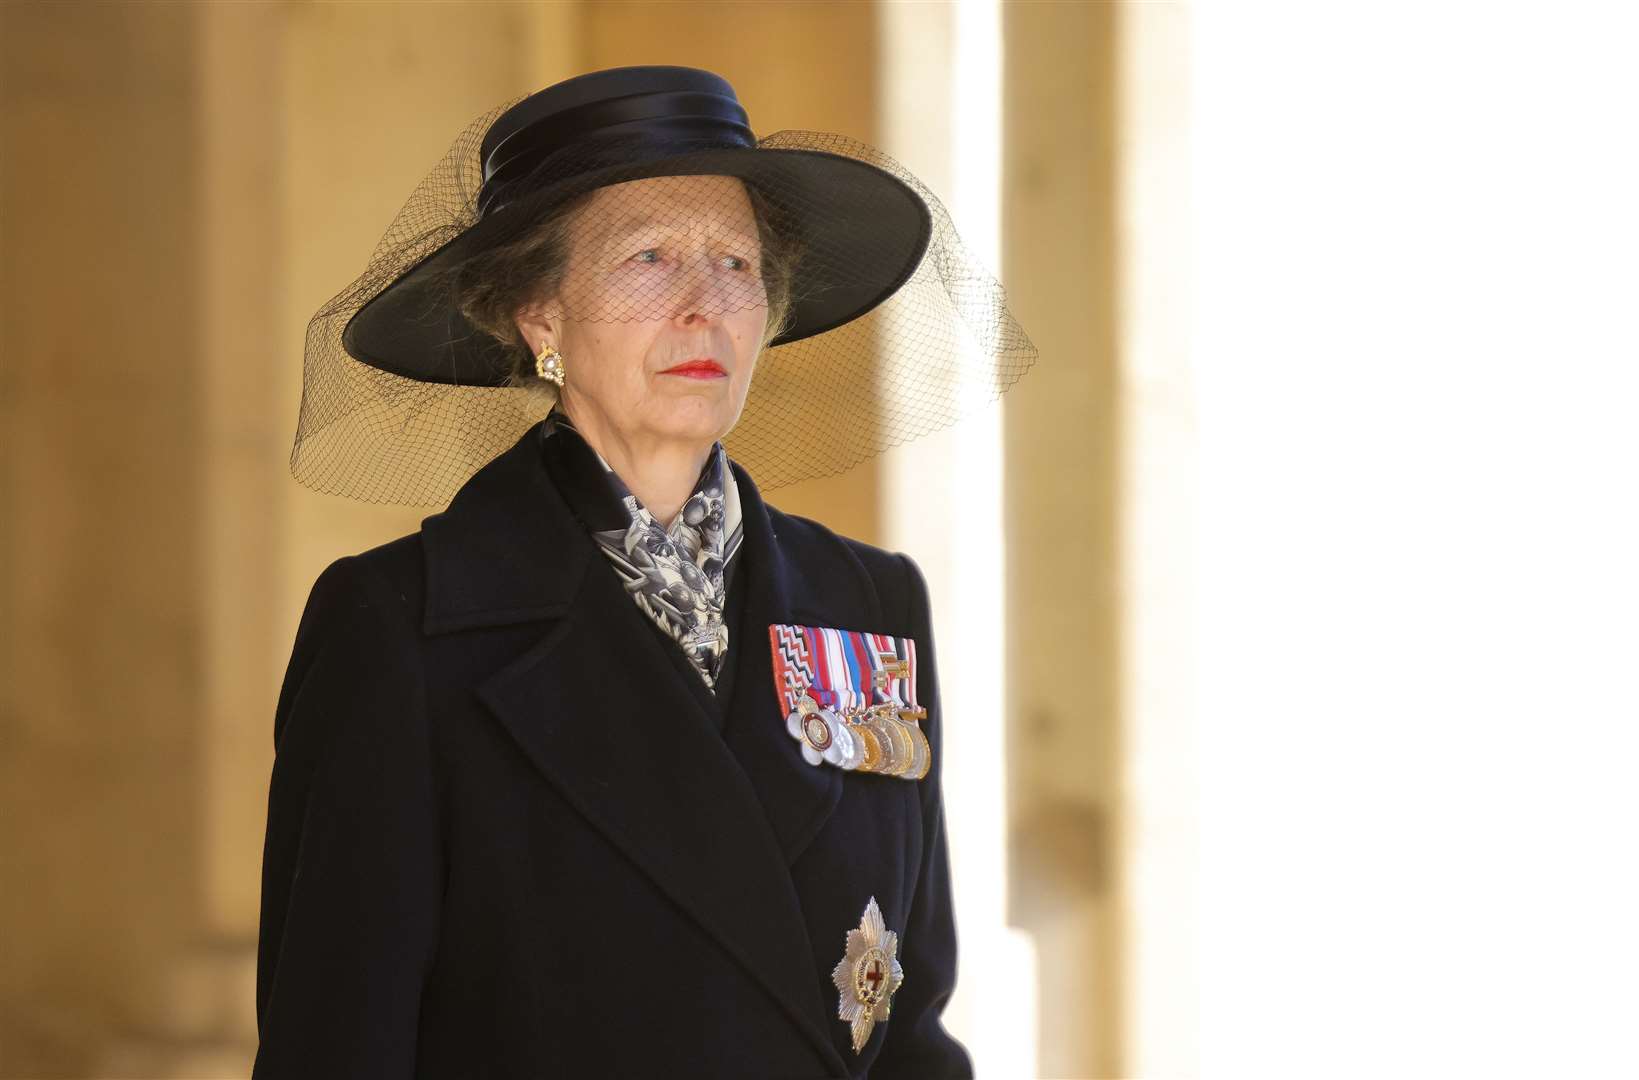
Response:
column 1417, row 255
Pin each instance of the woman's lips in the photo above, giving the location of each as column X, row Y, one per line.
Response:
column 698, row 369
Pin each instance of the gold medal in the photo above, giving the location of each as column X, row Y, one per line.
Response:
column 922, row 756
column 904, row 746
column 893, row 756
column 871, row 760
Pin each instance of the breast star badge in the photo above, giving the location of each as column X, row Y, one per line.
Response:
column 868, row 974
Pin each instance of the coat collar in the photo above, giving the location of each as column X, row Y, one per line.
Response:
column 507, row 550
column 715, row 816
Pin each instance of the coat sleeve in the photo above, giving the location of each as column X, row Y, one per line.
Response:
column 352, row 868
column 916, row 1043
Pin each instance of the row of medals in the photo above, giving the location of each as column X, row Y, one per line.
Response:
column 882, row 738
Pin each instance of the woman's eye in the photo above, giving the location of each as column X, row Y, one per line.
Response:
column 652, row 256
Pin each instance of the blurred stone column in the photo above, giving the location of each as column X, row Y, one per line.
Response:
column 1065, row 430
column 1100, row 441
column 1160, row 840
column 242, row 258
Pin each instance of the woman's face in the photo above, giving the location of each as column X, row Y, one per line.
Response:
column 660, row 272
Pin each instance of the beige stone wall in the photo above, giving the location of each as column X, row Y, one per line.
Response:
column 100, row 417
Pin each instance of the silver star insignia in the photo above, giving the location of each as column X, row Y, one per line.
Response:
column 868, row 974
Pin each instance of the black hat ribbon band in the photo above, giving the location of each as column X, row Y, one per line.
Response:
column 666, row 117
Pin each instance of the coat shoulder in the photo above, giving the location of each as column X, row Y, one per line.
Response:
column 893, row 576
column 399, row 563
column 392, row 571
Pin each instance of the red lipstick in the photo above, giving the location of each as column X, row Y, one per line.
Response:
column 698, row 368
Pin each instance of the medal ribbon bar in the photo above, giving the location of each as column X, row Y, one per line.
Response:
column 849, row 697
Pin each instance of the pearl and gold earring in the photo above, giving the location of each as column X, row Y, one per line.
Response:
column 549, row 365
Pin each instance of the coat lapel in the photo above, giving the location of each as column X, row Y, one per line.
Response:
column 606, row 717
column 796, row 797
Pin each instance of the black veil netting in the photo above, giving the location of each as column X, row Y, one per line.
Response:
column 893, row 330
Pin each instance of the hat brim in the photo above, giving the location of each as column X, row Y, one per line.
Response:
column 874, row 229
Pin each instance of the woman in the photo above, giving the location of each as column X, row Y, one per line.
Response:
column 613, row 769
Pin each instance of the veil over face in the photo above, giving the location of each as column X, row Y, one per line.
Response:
column 704, row 222
column 658, row 272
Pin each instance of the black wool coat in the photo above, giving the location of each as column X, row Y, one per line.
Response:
column 511, row 833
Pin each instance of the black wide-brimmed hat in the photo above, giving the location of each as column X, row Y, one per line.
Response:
column 887, row 329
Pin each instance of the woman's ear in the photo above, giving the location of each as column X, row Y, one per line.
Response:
column 537, row 329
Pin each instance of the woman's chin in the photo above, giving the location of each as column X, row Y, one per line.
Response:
column 696, row 420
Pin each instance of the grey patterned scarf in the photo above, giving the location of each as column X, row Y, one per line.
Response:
column 676, row 575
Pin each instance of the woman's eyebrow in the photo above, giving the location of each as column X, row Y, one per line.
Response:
column 626, row 227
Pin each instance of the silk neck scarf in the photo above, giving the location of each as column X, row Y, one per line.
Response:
column 676, row 576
